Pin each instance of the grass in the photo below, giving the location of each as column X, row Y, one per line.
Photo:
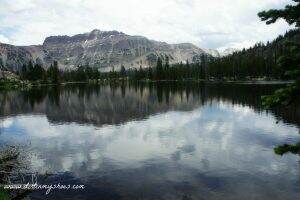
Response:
column 8, row 160
column 4, row 195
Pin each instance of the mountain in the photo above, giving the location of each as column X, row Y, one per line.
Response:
column 102, row 49
column 215, row 53
column 228, row 52
column 212, row 52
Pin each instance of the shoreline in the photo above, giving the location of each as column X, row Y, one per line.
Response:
column 24, row 85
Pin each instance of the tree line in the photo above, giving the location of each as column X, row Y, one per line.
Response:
column 35, row 72
column 259, row 61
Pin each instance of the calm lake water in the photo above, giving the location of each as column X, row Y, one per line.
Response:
column 149, row 141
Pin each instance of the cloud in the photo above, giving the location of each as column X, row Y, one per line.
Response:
column 3, row 39
column 19, row 5
column 208, row 24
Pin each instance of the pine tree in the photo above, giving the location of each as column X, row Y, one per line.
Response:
column 159, row 69
column 150, row 73
column 24, row 73
column 38, row 72
column 53, row 73
column 123, row 71
column 290, row 62
column 30, row 74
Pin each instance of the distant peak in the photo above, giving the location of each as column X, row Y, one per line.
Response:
column 95, row 32
column 229, row 51
column 56, row 39
column 113, row 32
column 212, row 52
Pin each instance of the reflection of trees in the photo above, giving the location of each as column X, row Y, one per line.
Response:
column 1, row 125
column 34, row 96
column 119, row 103
column 53, row 95
column 288, row 148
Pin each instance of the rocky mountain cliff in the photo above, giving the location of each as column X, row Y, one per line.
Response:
column 102, row 49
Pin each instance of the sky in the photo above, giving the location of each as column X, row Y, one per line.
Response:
column 216, row 24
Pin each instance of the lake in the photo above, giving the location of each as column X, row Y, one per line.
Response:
column 178, row 141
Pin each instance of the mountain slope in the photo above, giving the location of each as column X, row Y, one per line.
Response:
column 102, row 49
column 228, row 51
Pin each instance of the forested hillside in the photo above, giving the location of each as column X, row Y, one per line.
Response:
column 258, row 61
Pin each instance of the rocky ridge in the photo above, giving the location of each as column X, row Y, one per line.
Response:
column 105, row 50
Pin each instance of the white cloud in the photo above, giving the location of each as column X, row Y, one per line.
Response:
column 20, row 5
column 3, row 39
column 209, row 24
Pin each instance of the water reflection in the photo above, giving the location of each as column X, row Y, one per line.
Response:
column 112, row 104
column 172, row 141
